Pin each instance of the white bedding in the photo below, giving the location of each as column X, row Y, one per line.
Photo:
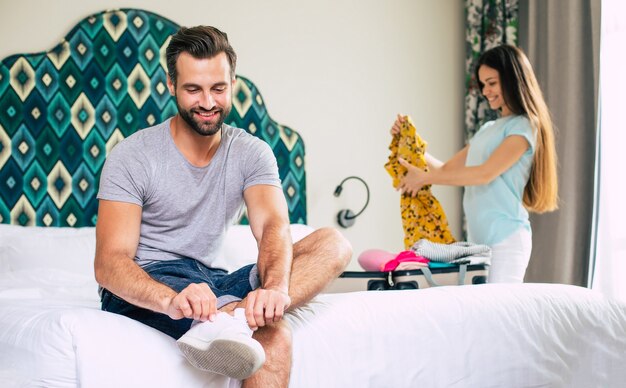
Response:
column 531, row 335
column 58, row 337
column 52, row 334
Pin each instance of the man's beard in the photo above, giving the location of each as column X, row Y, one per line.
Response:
column 203, row 129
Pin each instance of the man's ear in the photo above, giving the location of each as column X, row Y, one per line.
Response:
column 170, row 86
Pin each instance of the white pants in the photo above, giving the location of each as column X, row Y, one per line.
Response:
column 510, row 257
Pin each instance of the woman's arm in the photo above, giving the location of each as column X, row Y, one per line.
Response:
column 433, row 163
column 455, row 173
column 457, row 161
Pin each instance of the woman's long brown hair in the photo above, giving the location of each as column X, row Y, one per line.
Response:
column 522, row 95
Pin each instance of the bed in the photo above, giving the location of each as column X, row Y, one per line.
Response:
column 64, row 109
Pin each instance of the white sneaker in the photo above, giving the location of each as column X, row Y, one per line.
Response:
column 224, row 346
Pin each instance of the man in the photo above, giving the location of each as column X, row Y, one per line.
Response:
column 167, row 196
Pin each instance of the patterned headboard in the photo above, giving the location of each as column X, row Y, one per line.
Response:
column 62, row 111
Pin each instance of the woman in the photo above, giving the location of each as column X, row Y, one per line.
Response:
column 508, row 168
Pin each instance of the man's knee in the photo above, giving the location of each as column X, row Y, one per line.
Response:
column 339, row 246
column 327, row 246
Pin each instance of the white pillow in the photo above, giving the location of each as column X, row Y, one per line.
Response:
column 29, row 247
column 240, row 248
column 73, row 249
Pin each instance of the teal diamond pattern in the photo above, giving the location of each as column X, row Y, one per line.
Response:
column 116, row 84
column 72, row 150
column 23, row 151
column 83, row 186
column 81, row 48
column 104, row 50
column 70, row 81
column 59, row 114
column 160, row 94
column 71, row 214
column 126, row 52
column 94, row 152
column 127, row 116
column 106, row 117
column 11, row 183
column 138, row 25
column 93, row 82
column 48, row 149
column 47, row 214
column 149, row 55
column 35, row 184
column 11, row 109
column 35, row 112
column 47, row 79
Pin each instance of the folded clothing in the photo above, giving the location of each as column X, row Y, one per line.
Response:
column 402, row 259
column 381, row 260
column 459, row 251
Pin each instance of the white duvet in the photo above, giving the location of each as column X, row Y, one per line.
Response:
column 52, row 334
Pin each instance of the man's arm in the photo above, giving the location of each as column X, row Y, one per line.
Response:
column 269, row 220
column 117, row 237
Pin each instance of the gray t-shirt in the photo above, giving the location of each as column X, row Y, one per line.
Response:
column 186, row 210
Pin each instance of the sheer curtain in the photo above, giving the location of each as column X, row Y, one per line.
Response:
column 608, row 264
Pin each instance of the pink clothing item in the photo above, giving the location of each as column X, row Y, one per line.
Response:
column 374, row 259
column 403, row 257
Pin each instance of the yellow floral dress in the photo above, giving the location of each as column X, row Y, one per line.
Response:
column 422, row 215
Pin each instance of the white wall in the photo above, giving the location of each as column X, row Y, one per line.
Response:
column 337, row 71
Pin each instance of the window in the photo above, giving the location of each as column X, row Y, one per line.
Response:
column 609, row 259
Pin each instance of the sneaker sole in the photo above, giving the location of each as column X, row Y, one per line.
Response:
column 226, row 357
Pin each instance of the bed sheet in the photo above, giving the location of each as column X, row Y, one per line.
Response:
column 485, row 335
column 53, row 334
column 492, row 335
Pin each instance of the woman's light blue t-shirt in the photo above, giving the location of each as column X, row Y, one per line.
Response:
column 495, row 211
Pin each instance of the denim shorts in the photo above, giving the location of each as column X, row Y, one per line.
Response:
column 178, row 274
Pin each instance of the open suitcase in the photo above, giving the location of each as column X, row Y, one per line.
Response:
column 437, row 274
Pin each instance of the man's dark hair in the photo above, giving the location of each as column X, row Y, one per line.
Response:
column 200, row 42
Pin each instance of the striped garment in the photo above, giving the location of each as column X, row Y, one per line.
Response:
column 459, row 251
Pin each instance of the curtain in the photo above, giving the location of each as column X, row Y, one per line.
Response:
column 561, row 39
column 490, row 23
column 609, row 264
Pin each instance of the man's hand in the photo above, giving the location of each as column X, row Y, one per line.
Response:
column 264, row 306
column 196, row 301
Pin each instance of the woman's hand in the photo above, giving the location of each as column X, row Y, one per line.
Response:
column 413, row 180
column 395, row 129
